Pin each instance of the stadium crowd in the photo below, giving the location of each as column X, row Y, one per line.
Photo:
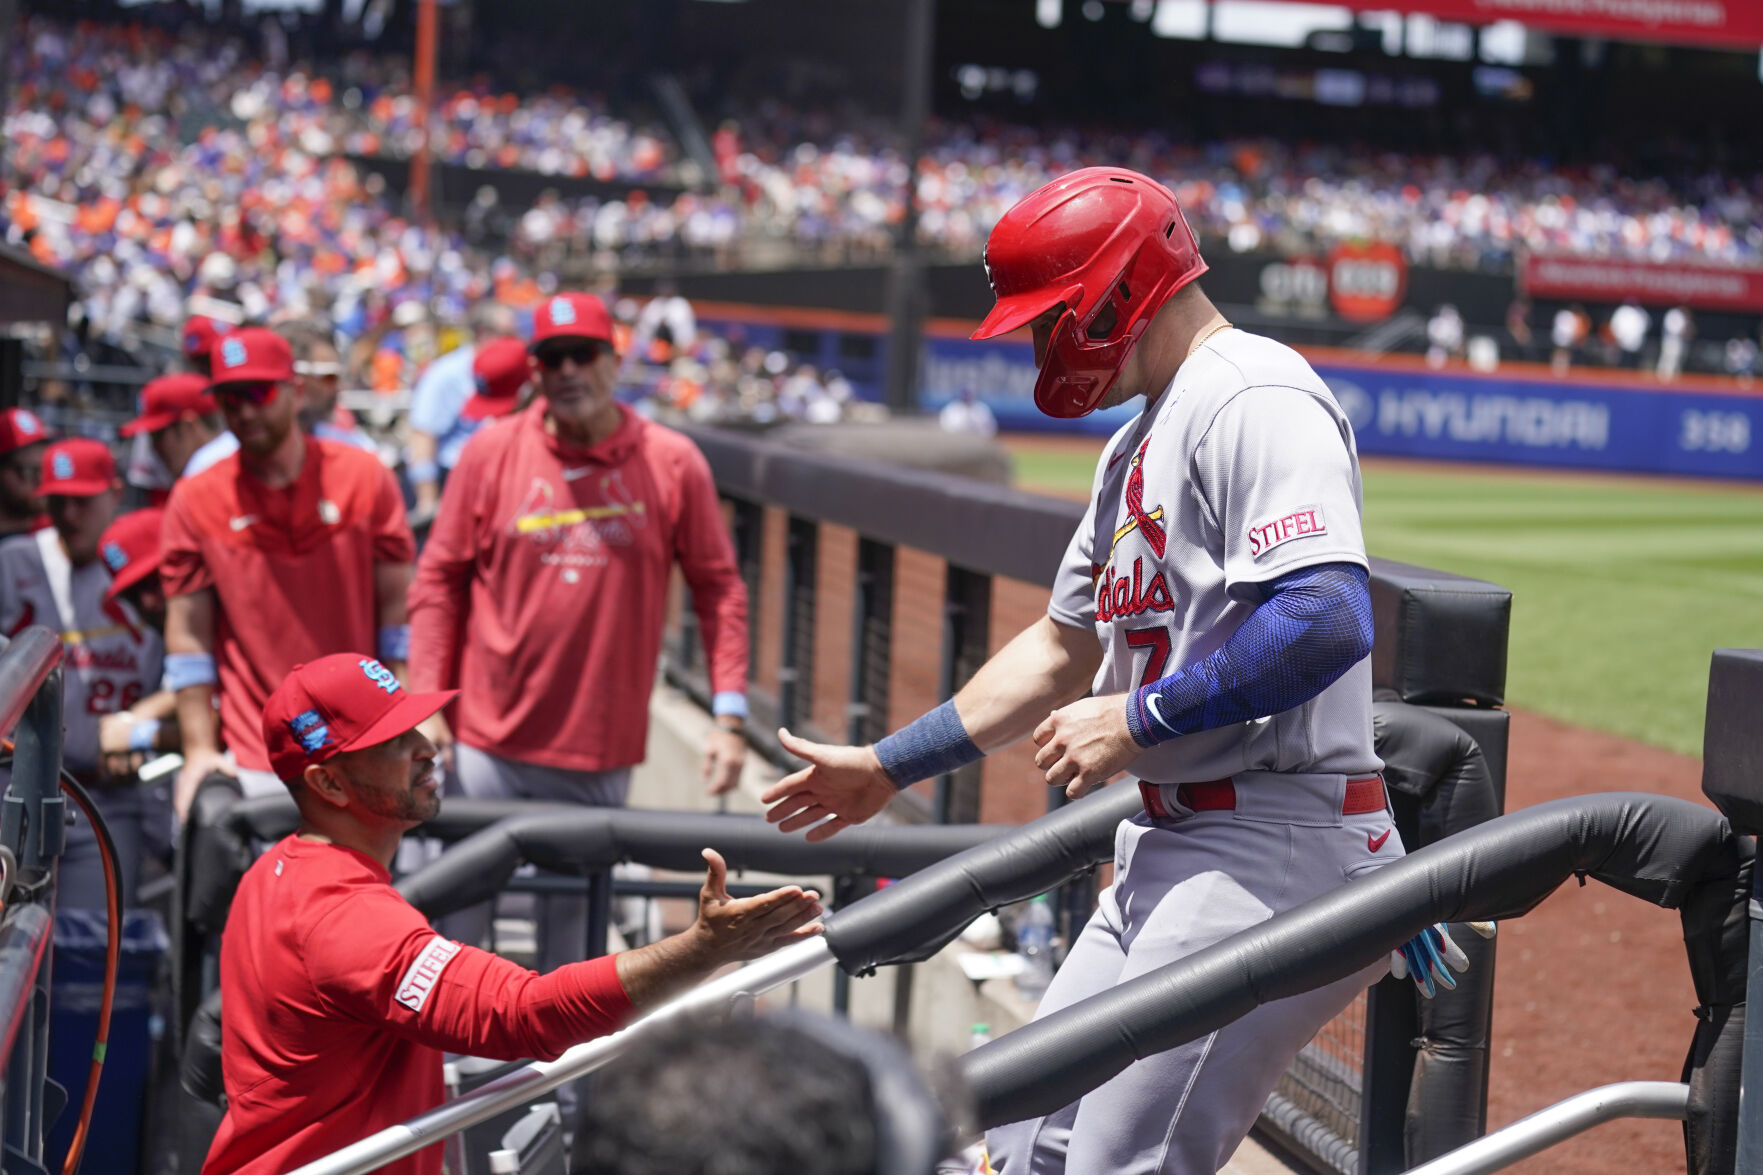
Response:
column 160, row 167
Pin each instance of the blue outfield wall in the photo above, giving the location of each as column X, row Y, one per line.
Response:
column 1402, row 409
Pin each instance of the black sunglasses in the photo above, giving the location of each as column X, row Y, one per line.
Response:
column 581, row 354
column 258, row 392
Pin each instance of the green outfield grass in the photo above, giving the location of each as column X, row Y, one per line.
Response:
column 1621, row 587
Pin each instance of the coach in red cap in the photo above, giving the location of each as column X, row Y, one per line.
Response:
column 290, row 548
column 22, row 441
column 542, row 588
column 57, row 578
column 334, row 985
column 178, row 416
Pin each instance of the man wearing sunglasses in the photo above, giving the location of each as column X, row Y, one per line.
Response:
column 318, row 372
column 289, row 549
column 23, row 437
column 542, row 590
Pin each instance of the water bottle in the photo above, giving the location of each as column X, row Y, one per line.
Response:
column 1034, row 942
column 981, row 1034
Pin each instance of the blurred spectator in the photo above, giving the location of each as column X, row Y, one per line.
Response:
column 1444, row 336
column 438, row 431
column 23, row 437
column 1628, row 331
column 318, row 370
column 1741, row 360
column 838, row 1099
column 1518, row 329
column 665, row 326
column 1569, row 332
column 969, row 414
column 1676, row 330
column 178, row 417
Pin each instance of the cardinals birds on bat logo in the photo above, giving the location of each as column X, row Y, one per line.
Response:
column 1149, row 524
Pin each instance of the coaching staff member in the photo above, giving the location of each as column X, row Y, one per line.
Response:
column 543, row 586
column 289, row 549
column 340, row 997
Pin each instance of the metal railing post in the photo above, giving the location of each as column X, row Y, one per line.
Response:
column 795, row 675
column 872, row 633
column 967, row 624
column 34, row 817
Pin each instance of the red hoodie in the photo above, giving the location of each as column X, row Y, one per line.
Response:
column 542, row 590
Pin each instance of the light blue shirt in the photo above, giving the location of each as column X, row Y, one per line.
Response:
column 438, row 399
column 226, row 444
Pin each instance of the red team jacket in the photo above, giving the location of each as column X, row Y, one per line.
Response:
column 292, row 570
column 560, row 558
column 340, row 999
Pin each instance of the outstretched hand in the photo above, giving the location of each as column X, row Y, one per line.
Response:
column 841, row 786
column 733, row 930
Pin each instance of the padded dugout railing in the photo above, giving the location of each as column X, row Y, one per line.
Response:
column 32, row 835
column 1347, row 1106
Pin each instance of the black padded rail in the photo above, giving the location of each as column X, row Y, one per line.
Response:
column 590, row 839
column 1439, row 638
column 916, row 916
column 1732, row 754
column 1670, row 852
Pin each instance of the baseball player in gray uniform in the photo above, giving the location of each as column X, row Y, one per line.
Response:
column 1214, row 605
column 111, row 659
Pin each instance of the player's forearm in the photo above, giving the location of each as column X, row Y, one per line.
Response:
column 198, row 726
column 190, row 670
column 1045, row 666
column 1315, row 625
column 391, row 595
column 658, row 972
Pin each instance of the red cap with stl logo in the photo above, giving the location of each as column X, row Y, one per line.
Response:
column 168, row 399
column 78, row 467
column 19, row 428
column 338, row 703
column 571, row 316
column 130, row 548
column 249, row 356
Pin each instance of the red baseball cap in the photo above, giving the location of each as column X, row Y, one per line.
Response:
column 342, row 702
column 78, row 467
column 19, row 428
column 200, row 335
column 130, row 548
column 249, row 355
column 168, row 399
column 500, row 368
column 571, row 316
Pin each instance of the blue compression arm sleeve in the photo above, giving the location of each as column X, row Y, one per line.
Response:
column 1314, row 625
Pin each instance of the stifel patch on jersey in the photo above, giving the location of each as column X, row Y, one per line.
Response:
column 418, row 982
column 1300, row 523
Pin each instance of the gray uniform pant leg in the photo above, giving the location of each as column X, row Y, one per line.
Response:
column 1180, row 886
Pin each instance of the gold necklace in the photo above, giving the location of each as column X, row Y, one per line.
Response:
column 1201, row 341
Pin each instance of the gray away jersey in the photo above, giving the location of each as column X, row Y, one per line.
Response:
column 111, row 658
column 1242, row 471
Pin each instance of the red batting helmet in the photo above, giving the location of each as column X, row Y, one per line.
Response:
column 1091, row 239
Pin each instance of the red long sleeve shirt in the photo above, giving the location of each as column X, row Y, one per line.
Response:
column 340, row 999
column 292, row 570
column 542, row 590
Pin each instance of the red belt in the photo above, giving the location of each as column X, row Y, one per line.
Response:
column 1220, row 795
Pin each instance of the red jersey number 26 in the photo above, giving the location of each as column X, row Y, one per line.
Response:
column 1157, row 641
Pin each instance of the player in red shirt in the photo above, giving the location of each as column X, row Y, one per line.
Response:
column 178, row 416
column 340, row 998
column 289, row 549
column 23, row 438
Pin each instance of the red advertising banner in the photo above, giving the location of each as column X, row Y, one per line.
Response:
column 1733, row 24
column 1593, row 279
